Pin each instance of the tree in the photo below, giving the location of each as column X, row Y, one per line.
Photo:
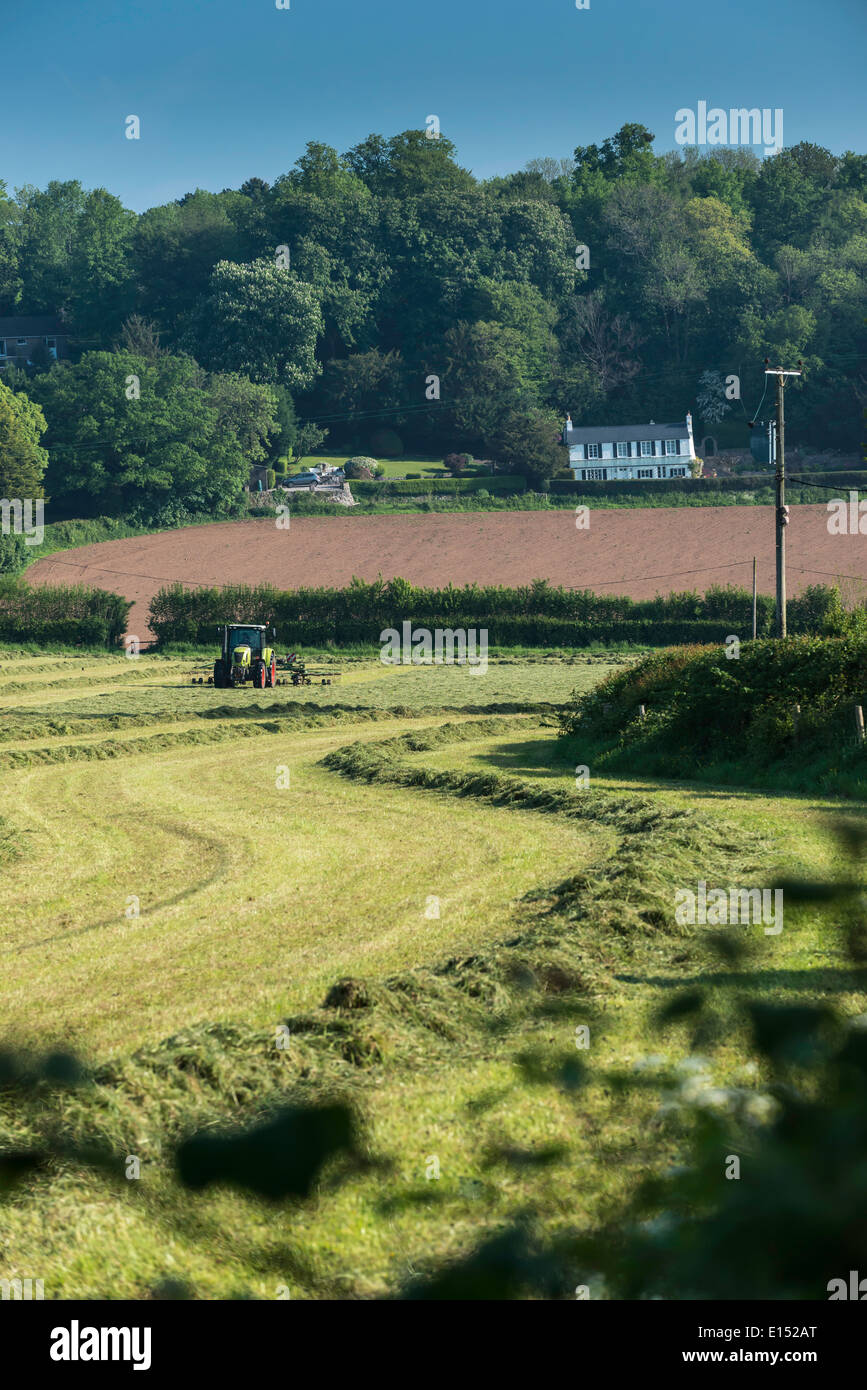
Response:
column 624, row 155
column 10, row 278
column 22, row 460
column 140, row 336
column 286, row 427
column 258, row 319
column 74, row 255
column 363, row 389
column 530, row 443
column 309, row 438
column 408, row 165
column 607, row 343
column 177, row 246
column 711, row 398
column 484, row 381
column 323, row 172
column 127, row 432
column 550, row 169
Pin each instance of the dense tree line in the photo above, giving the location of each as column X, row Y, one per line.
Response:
column 387, row 296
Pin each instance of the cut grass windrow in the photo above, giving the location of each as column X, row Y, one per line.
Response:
column 661, row 847
column 243, row 722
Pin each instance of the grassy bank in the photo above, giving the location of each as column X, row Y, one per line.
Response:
column 774, row 714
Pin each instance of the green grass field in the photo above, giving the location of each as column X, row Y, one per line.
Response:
column 187, row 870
column 391, row 468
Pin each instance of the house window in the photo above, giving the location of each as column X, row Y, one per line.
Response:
column 645, row 472
column 622, row 451
column 22, row 342
column 646, row 448
column 51, row 344
column 671, row 446
column 595, row 475
column 593, row 451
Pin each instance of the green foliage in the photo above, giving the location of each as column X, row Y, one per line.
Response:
column 403, row 487
column 258, row 319
column 537, row 614
column 530, row 444
column 71, row 614
column 361, row 468
column 404, row 265
column 387, row 443
column 284, row 439
column 709, row 712
column 128, row 432
column 22, row 460
column 13, row 553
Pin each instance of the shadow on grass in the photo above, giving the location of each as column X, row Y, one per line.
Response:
column 827, row 980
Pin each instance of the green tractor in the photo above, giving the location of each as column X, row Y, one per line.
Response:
column 245, row 657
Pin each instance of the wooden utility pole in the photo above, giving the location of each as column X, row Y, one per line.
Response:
column 782, row 511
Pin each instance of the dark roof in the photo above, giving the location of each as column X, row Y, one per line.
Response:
column 612, row 434
column 45, row 324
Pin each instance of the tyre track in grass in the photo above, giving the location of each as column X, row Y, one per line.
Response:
column 183, row 832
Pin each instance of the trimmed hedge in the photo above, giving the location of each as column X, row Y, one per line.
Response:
column 745, row 482
column 530, row 615
column 62, row 613
column 407, row 487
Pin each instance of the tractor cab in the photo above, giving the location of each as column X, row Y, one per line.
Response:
column 245, row 656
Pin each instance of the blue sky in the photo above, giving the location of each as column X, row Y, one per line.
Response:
column 226, row 89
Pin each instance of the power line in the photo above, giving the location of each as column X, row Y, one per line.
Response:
column 202, row 583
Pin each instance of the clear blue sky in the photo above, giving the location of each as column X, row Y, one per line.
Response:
column 226, row 89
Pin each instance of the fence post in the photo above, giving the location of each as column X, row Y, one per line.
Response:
column 859, row 723
column 641, row 712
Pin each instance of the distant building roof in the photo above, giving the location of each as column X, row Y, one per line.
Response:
column 626, row 434
column 47, row 325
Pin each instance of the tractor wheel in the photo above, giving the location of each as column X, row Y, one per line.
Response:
column 273, row 681
column 219, row 675
column 259, row 675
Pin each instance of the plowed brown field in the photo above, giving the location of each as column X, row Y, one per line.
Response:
column 635, row 552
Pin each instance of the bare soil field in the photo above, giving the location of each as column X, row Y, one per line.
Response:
column 633, row 552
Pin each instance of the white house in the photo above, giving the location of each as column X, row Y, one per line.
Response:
column 602, row 453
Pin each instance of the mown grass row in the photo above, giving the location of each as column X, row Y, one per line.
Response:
column 108, row 749
column 306, row 714
column 661, row 845
column 369, row 1035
